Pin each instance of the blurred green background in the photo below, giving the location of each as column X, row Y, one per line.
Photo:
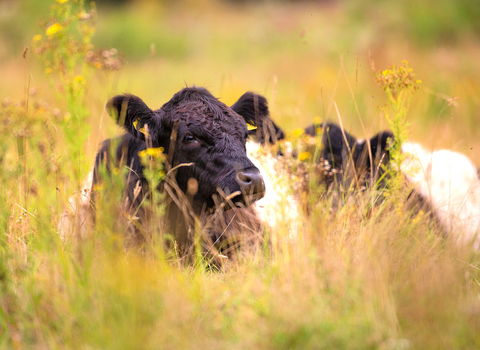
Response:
column 303, row 55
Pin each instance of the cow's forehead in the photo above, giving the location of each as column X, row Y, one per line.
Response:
column 204, row 112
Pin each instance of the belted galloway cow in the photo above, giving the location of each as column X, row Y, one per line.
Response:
column 204, row 144
column 442, row 182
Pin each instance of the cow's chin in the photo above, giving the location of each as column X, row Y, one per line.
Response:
column 241, row 200
column 226, row 201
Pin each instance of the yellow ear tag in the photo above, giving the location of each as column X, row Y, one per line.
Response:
column 251, row 127
column 142, row 130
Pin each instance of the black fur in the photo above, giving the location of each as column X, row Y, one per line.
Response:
column 210, row 135
column 333, row 143
column 254, row 109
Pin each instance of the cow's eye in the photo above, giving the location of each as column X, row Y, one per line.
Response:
column 189, row 138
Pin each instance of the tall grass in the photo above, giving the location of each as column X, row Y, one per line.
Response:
column 352, row 278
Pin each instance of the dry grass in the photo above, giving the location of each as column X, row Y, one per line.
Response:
column 354, row 277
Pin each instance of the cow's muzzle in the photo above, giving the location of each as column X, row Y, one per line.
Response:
column 251, row 184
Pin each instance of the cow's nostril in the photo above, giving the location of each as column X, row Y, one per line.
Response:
column 245, row 178
column 251, row 183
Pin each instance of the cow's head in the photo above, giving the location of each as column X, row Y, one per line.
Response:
column 341, row 151
column 209, row 135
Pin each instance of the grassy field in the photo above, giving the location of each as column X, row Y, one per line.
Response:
column 353, row 278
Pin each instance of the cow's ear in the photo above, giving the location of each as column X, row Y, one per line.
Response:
column 252, row 107
column 379, row 143
column 132, row 113
column 254, row 110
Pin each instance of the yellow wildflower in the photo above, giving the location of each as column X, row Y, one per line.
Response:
column 155, row 152
column 419, row 81
column 142, row 154
column 54, row 28
column 418, row 217
column 152, row 152
column 61, row 1
column 297, row 132
column 304, row 156
column 48, row 70
column 37, row 37
column 79, row 78
column 318, row 131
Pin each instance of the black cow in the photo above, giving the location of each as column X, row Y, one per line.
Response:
column 193, row 128
column 340, row 151
column 343, row 152
column 442, row 183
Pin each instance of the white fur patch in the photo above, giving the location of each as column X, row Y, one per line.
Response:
column 75, row 218
column 278, row 208
column 449, row 182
